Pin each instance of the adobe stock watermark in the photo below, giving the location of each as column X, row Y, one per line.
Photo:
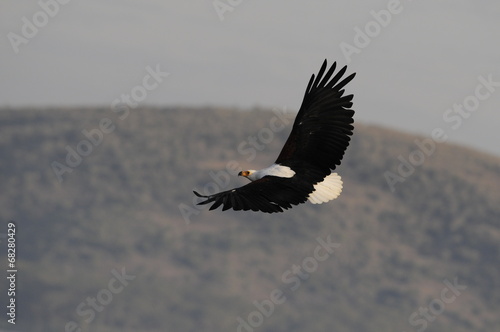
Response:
column 454, row 116
column 89, row 308
column 372, row 29
column 30, row 27
column 95, row 136
column 247, row 148
column 292, row 280
column 421, row 318
column 223, row 7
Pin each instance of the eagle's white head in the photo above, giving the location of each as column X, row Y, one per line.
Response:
column 250, row 174
column 273, row 170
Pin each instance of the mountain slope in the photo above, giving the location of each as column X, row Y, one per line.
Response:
column 417, row 253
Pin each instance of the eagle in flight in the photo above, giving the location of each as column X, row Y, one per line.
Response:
column 303, row 171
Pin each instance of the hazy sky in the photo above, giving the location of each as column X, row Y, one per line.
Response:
column 420, row 65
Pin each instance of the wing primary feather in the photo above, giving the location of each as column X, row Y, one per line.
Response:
column 320, row 74
column 337, row 77
column 309, row 85
column 217, row 203
column 345, row 81
column 235, row 202
column 328, row 74
column 199, row 195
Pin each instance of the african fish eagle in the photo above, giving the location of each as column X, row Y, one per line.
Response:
column 303, row 171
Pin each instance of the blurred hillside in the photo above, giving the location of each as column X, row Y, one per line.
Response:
column 119, row 244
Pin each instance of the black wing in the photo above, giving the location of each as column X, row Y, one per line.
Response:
column 323, row 126
column 269, row 194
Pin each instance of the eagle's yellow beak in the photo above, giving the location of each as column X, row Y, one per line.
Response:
column 244, row 173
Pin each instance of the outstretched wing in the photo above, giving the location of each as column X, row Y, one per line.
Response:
column 269, row 194
column 323, row 126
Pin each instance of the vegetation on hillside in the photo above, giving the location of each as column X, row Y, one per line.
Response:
column 110, row 239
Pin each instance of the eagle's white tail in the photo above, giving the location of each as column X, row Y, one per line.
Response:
column 330, row 188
